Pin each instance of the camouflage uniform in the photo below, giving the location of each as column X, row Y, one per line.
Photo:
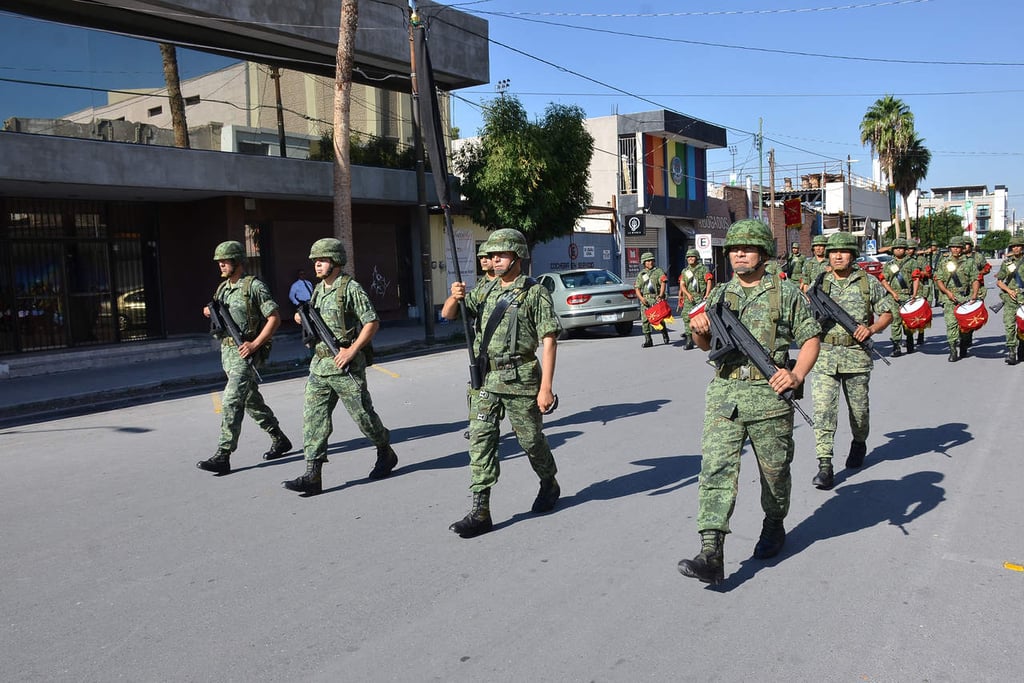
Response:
column 242, row 393
column 958, row 276
column 694, row 280
column 648, row 283
column 812, row 265
column 844, row 364
column 900, row 274
column 1010, row 275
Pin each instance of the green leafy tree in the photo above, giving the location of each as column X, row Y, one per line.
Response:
column 911, row 168
column 940, row 227
column 994, row 241
column 531, row 176
column 888, row 129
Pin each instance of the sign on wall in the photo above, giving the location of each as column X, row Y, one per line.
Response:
column 635, row 226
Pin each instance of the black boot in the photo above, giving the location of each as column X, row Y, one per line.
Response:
column 478, row 521
column 920, row 338
column 664, row 335
column 910, row 342
column 825, row 478
column 773, row 537
column 896, row 350
column 965, row 345
column 547, row 496
column 953, row 357
column 689, row 342
column 1020, row 351
column 648, row 343
column 310, row 482
column 220, row 463
column 709, row 564
column 858, row 449
column 1011, row 356
column 279, row 444
column 386, row 461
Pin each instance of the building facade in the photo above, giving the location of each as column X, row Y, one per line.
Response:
column 982, row 210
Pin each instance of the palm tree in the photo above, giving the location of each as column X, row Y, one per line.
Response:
column 888, row 127
column 911, row 168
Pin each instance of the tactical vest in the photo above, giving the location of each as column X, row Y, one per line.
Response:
column 254, row 319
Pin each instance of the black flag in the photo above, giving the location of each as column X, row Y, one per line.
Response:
column 430, row 118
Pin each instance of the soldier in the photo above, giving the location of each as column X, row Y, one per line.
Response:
column 485, row 265
column 924, row 279
column 247, row 300
column 957, row 279
column 741, row 403
column 901, row 278
column 816, row 265
column 651, row 283
column 1010, row 282
column 795, row 263
column 842, row 362
column 516, row 317
column 981, row 264
column 931, row 257
column 348, row 312
column 694, row 286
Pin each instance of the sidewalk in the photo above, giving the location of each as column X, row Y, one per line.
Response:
column 133, row 378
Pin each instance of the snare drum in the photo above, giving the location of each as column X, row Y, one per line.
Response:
column 972, row 315
column 1020, row 321
column 916, row 314
column 698, row 309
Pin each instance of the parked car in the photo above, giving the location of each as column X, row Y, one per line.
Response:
column 592, row 297
column 873, row 263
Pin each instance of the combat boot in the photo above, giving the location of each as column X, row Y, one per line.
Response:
column 920, row 338
column 547, row 496
column 478, row 521
column 689, row 342
column 773, row 537
column 648, row 343
column 910, row 343
column 1011, row 356
column 858, row 449
column 953, row 357
column 664, row 335
column 386, row 461
column 220, row 463
column 896, row 350
column 965, row 346
column 309, row 483
column 709, row 564
column 279, row 444
column 1020, row 351
column 825, row 478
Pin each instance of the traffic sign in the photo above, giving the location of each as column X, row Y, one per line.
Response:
column 870, row 246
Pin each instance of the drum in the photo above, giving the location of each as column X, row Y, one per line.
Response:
column 702, row 306
column 971, row 315
column 1020, row 322
column 659, row 312
column 916, row 314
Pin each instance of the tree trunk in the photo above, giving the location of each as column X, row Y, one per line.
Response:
column 342, row 106
column 176, row 101
column 906, row 216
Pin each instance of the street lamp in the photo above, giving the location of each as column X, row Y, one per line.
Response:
column 502, row 86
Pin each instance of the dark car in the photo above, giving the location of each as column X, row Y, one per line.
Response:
column 592, row 297
column 873, row 263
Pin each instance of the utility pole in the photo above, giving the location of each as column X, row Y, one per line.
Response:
column 276, row 75
column 849, row 196
column 421, row 188
column 760, row 170
column 771, row 196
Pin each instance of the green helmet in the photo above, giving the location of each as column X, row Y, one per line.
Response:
column 646, row 256
column 328, row 247
column 794, row 245
column 229, row 251
column 899, row 243
column 507, row 239
column 819, row 240
column 481, row 252
column 750, row 233
column 692, row 252
column 1017, row 241
column 842, row 241
column 957, row 242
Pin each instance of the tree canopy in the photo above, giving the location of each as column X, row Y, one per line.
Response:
column 531, row 176
column 940, row 227
column 995, row 240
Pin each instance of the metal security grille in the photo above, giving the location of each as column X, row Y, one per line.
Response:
column 76, row 274
column 627, row 164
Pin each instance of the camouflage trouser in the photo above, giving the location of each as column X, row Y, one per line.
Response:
column 322, row 394
column 825, row 393
column 485, row 411
column 645, row 324
column 952, row 326
column 241, row 396
column 1010, row 321
column 896, row 330
column 736, row 410
column 687, row 307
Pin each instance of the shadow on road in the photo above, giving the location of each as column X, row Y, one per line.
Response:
column 605, row 414
column 910, row 443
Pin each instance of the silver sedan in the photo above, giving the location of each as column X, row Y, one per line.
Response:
column 591, row 297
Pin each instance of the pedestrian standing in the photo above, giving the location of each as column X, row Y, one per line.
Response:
column 843, row 364
column 1011, row 284
column 514, row 317
column 650, row 285
column 247, row 300
column 348, row 313
column 741, row 403
column 695, row 284
column 301, row 289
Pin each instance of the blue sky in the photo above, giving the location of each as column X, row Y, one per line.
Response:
column 957, row 65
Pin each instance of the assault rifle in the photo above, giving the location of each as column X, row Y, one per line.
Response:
column 826, row 309
column 728, row 334
column 314, row 330
column 223, row 325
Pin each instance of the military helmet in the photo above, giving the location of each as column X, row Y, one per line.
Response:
column 328, row 247
column 842, row 241
column 819, row 240
column 229, row 251
column 795, row 245
column 957, row 242
column 899, row 243
column 692, row 252
column 507, row 239
column 1017, row 241
column 646, row 256
column 750, row 233
column 481, row 252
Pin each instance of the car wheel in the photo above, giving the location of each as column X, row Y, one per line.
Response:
column 624, row 329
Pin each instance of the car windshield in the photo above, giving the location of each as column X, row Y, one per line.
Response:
column 588, row 278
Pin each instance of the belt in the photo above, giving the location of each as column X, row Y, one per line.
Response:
column 228, row 341
column 321, row 350
column 840, row 340
column 744, row 372
column 513, row 362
